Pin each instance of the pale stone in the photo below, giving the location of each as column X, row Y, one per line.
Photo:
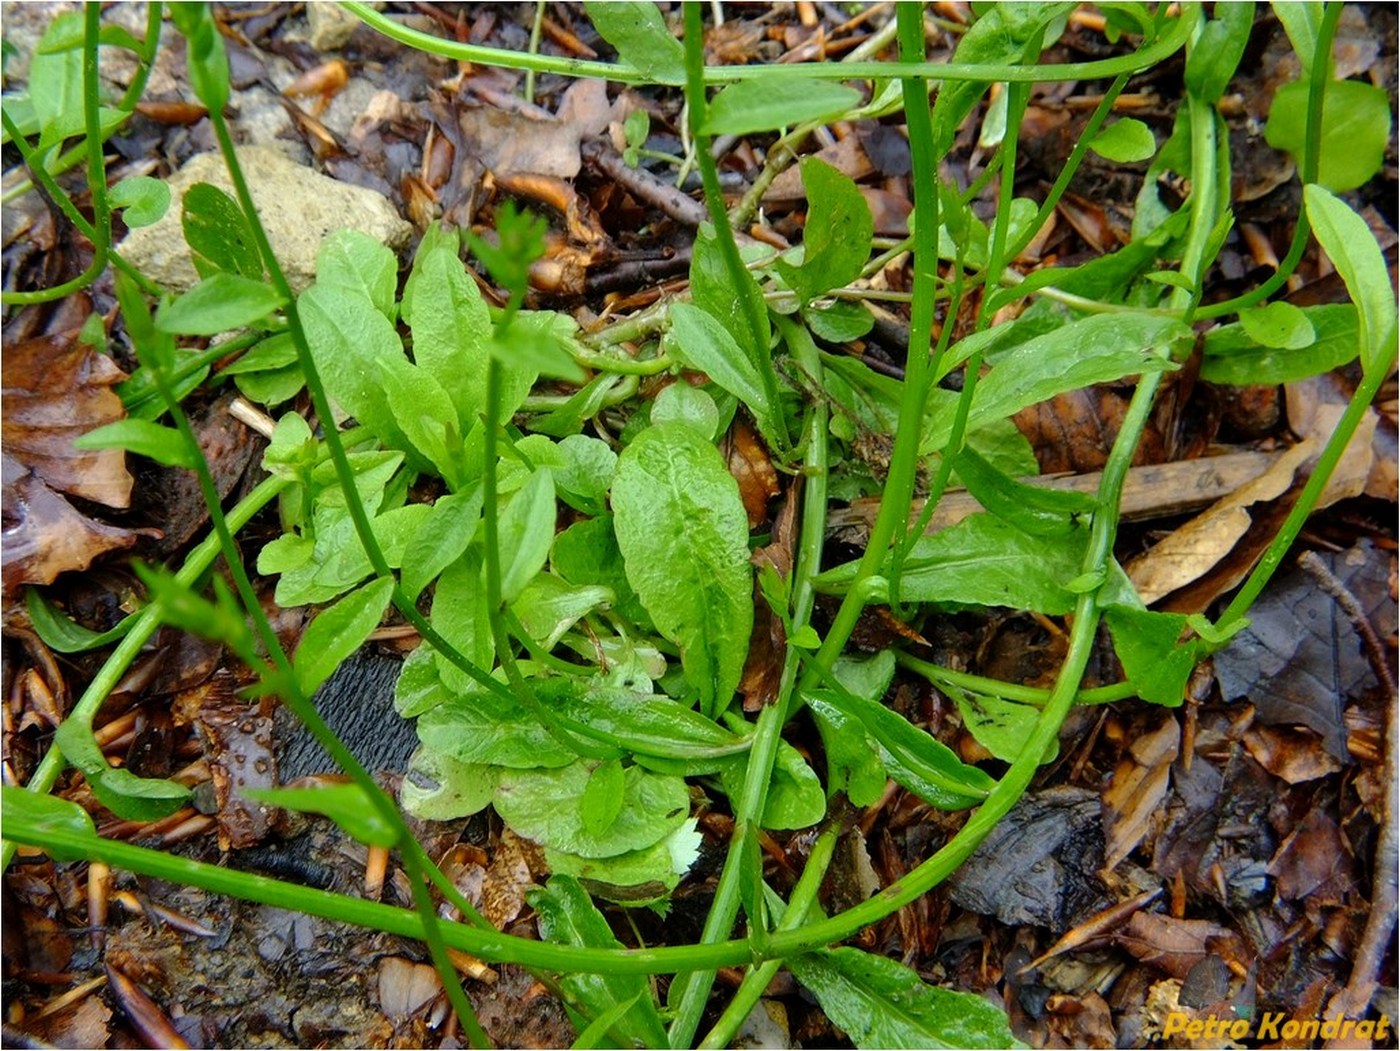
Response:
column 298, row 207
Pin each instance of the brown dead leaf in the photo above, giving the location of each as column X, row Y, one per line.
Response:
column 845, row 155
column 1315, row 405
column 585, row 107
column 752, row 469
column 238, row 743
column 506, row 141
column 1189, row 552
column 1174, row 946
column 56, row 389
column 405, row 987
column 1290, row 755
column 1314, row 860
column 44, row 535
column 1135, row 794
column 763, row 668
column 507, row 878
column 152, row 1023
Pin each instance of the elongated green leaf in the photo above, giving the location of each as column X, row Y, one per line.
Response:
column 217, row 304
column 526, row 531
column 164, row 445
column 450, row 324
column 546, row 806
column 881, row 1003
column 1040, row 512
column 1279, row 325
column 42, row 812
column 700, row 341
column 461, row 614
column 984, row 561
column 338, row 632
column 1231, row 355
column 602, row 798
column 853, row 762
column 920, row 763
column 1212, row 61
column 836, row 238
column 758, row 105
column 642, row 40
column 1353, row 250
column 346, row 804
column 683, row 533
column 568, row 916
column 423, row 411
column 130, row 797
column 348, row 336
column 638, row 877
column 62, row 634
column 727, row 296
column 441, row 539
column 357, row 263
column 1098, row 349
column 56, row 80
column 645, row 724
column 218, row 233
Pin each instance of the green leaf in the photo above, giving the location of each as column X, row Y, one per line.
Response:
column 1102, row 348
column 348, row 336
column 602, row 797
column 762, row 105
column 450, row 323
column 40, row 813
column 63, row 634
column 642, row 40
column 338, row 632
column 526, row 531
column 357, row 263
column 484, row 729
column 1231, row 355
column 144, row 199
column 1280, row 325
column 1350, row 245
column 1303, row 24
column 1356, row 123
column 437, row 787
column 520, row 240
column 130, row 797
column 164, row 445
column 56, row 80
column 1154, row 660
column 585, row 473
column 795, row 796
column 1040, row 512
column 568, row 916
column 441, row 539
column 682, row 403
column 587, row 553
column 881, row 1003
column 348, row 805
column 275, row 352
column 423, row 412
column 1213, row 57
column 638, row 877
column 1001, row 727
column 217, row 304
column 461, row 614
column 546, row 806
column 919, row 762
column 836, row 238
column 853, row 762
column 1126, row 140
column 548, row 607
column 683, row 533
column 727, row 296
column 839, row 322
column 698, row 340
column 644, row 724
column 207, row 61
column 218, row 233
column 987, row 562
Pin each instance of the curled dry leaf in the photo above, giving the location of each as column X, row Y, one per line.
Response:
column 1137, row 790
column 405, row 987
column 44, row 536
column 1173, row 945
column 56, row 389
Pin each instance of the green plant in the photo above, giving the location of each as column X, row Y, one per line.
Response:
column 581, row 680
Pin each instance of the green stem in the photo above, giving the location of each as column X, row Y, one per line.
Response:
column 755, row 312
column 1149, row 55
column 1008, row 691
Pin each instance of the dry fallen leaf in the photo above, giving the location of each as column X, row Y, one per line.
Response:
column 1173, row 945
column 44, row 535
column 56, row 389
column 1137, row 789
